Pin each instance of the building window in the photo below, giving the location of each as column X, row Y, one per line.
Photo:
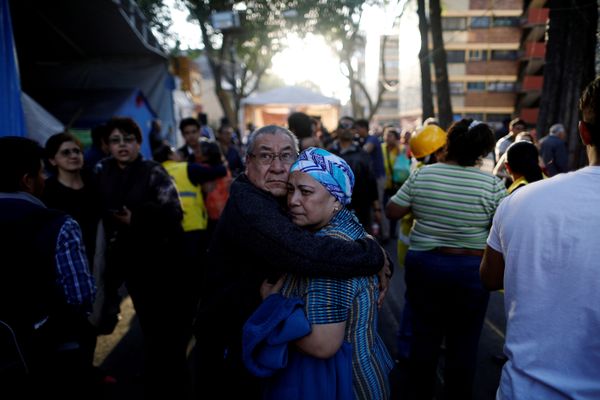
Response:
column 506, row 21
column 504, row 55
column 501, row 86
column 477, row 116
column 454, row 24
column 389, row 64
column 498, row 117
column 480, row 22
column 477, row 55
column 457, row 88
column 389, row 104
column 455, row 56
column 475, row 86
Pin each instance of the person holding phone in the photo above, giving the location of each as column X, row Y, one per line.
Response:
column 142, row 217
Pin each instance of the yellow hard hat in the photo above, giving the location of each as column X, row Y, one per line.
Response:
column 427, row 140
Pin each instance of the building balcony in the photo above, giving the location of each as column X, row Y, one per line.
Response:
column 535, row 50
column 532, row 83
column 535, row 24
column 489, row 99
column 531, row 90
column 537, row 16
column 530, row 115
column 500, row 34
column 533, row 57
column 493, row 67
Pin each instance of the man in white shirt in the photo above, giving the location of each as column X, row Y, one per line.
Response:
column 515, row 127
column 548, row 260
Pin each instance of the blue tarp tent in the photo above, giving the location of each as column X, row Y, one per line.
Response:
column 11, row 112
column 87, row 108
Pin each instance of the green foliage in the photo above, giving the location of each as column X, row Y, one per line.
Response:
column 241, row 57
column 159, row 18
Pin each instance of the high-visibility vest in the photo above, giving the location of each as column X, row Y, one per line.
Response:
column 192, row 202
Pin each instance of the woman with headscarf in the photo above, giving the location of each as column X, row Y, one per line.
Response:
column 453, row 203
column 342, row 313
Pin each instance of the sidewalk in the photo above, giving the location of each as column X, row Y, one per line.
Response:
column 120, row 355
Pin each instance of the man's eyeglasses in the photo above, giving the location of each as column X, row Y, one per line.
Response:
column 121, row 139
column 286, row 157
column 67, row 152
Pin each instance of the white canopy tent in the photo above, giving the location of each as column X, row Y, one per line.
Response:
column 274, row 106
column 39, row 122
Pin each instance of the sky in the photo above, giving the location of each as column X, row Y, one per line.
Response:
column 317, row 62
column 189, row 34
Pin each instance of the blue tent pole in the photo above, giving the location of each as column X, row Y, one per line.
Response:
column 12, row 120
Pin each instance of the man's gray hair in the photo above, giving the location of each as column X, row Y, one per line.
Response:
column 270, row 130
column 556, row 129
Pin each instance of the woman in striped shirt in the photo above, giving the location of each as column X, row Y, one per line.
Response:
column 453, row 203
column 342, row 312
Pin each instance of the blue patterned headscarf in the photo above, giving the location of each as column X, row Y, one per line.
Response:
column 329, row 170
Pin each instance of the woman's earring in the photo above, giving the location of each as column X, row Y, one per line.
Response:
column 335, row 209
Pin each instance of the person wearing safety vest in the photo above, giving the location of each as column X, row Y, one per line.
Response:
column 188, row 178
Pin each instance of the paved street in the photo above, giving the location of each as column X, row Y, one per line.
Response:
column 490, row 345
column 120, row 352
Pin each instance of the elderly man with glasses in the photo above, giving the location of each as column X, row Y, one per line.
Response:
column 255, row 240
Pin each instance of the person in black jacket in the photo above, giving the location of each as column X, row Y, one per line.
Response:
column 553, row 150
column 142, row 217
column 255, row 240
column 365, row 201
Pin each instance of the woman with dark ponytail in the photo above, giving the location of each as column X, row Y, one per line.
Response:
column 453, row 203
column 522, row 163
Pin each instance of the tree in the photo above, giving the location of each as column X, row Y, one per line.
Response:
column 440, row 65
column 159, row 18
column 424, row 61
column 340, row 22
column 239, row 58
column 569, row 67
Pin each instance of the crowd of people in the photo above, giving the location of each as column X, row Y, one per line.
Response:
column 269, row 258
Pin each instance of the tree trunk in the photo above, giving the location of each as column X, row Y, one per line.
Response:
column 441, row 67
column 216, row 67
column 426, row 99
column 346, row 59
column 569, row 67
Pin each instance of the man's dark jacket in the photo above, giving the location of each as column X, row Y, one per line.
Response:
column 554, row 153
column 254, row 240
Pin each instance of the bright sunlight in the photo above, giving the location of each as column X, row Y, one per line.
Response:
column 311, row 59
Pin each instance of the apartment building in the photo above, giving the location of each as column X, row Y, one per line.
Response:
column 495, row 53
column 482, row 41
column 533, row 53
column 388, row 111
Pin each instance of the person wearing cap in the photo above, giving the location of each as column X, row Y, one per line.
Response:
column 516, row 126
column 342, row 312
column 553, row 150
column 453, row 203
column 428, row 146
